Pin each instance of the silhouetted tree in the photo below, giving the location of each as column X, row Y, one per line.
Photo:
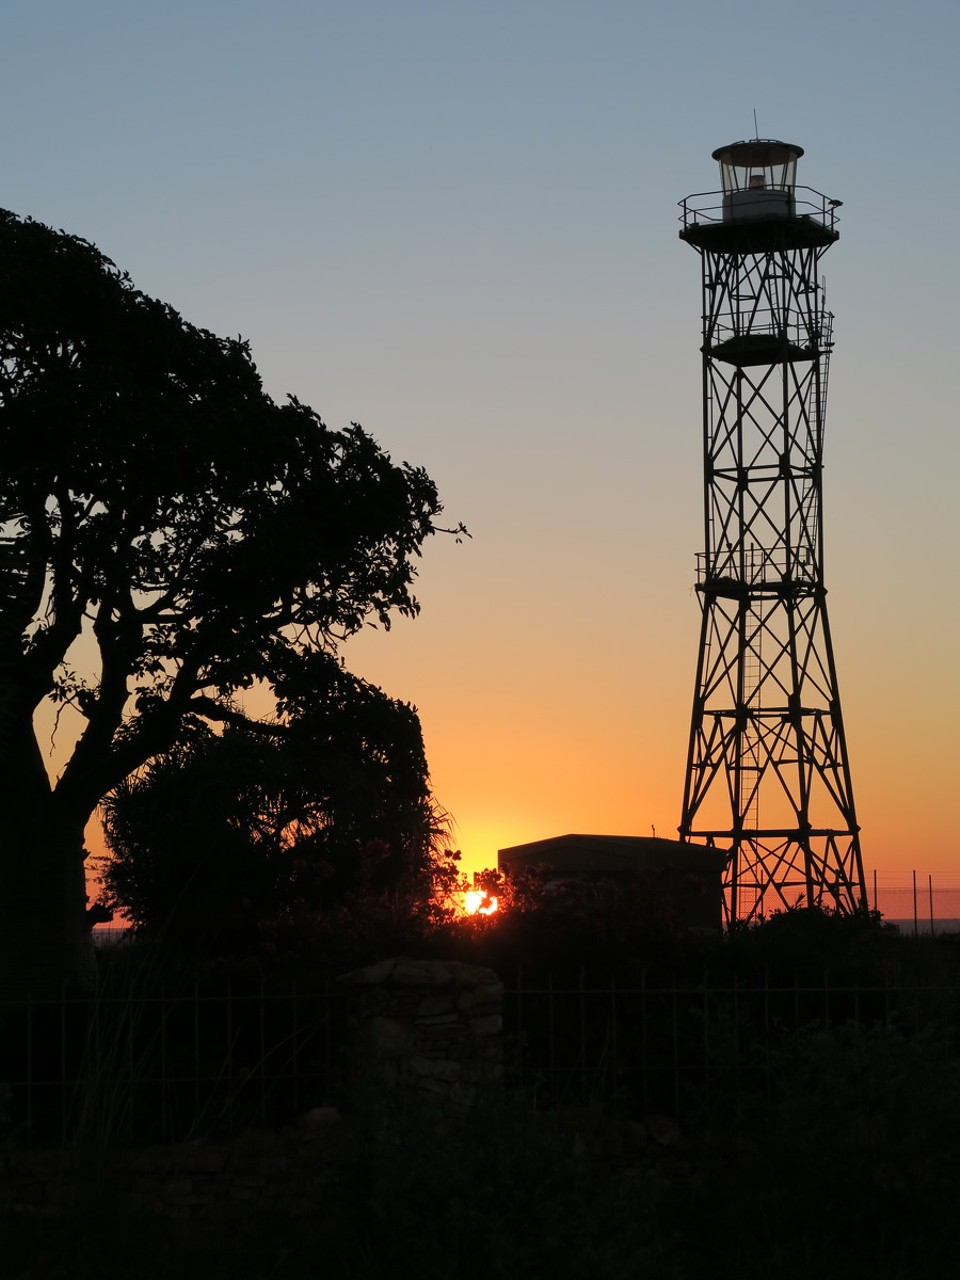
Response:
column 329, row 802
column 168, row 535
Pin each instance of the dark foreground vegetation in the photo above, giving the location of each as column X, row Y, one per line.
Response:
column 818, row 1134
column 850, row 1171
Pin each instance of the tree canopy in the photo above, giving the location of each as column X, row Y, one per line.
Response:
column 168, row 535
column 327, row 803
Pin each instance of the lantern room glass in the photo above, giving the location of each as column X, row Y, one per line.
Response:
column 758, row 166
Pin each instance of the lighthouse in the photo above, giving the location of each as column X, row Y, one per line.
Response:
column 767, row 774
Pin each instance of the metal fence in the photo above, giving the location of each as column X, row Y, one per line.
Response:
column 917, row 902
column 138, row 1068
column 162, row 1068
column 687, row 1050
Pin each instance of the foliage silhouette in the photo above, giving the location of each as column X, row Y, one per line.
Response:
column 226, row 834
column 168, row 535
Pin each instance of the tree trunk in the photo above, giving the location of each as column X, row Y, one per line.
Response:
column 45, row 945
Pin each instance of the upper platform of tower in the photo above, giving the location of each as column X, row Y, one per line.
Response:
column 760, row 206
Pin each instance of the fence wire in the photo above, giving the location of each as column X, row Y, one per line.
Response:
column 151, row 1069
column 689, row 1051
column 140, row 1068
column 916, row 902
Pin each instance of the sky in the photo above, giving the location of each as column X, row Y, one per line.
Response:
column 456, row 223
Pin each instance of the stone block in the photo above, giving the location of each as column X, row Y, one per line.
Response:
column 140, row 1202
column 421, row 973
column 385, row 1072
column 442, row 1032
column 432, row 1047
column 635, row 1135
column 482, row 1072
column 40, row 1163
column 22, row 1191
column 63, row 1191
column 469, row 975
column 431, row 1085
column 432, row 1005
column 372, row 975
column 318, row 1118
column 432, row 1022
column 464, row 1095
column 243, row 1193
column 489, row 992
column 664, row 1130
column 490, row 1025
column 388, row 1037
column 193, row 1202
column 435, row 1068
column 154, row 1159
column 196, row 1157
column 173, row 1187
column 482, row 1008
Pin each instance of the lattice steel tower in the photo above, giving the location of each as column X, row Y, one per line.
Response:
column 767, row 771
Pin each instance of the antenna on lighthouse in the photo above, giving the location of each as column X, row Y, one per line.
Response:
column 767, row 776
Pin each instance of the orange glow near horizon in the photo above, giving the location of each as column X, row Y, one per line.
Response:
column 512, row 762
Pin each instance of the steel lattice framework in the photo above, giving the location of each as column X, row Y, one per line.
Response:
column 767, row 769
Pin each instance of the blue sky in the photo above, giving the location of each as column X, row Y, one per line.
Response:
column 456, row 224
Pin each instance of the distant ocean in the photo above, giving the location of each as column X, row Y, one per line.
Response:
column 922, row 926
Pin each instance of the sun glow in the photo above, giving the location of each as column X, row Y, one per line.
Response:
column 477, row 902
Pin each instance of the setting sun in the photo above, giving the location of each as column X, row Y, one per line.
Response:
column 476, row 902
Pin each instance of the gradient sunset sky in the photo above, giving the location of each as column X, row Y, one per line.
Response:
column 456, row 223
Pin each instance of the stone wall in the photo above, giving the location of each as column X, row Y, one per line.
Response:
column 289, row 1172
column 424, row 1032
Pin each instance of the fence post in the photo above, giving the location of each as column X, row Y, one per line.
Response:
column 708, row 1083
column 676, row 1052
column 229, row 1046
column 196, row 1047
column 612, row 1090
column 518, row 1038
column 916, row 928
column 736, row 1043
column 930, row 890
column 584, row 1083
column 64, row 1087
column 134, row 1020
column 262, row 1054
column 327, row 1039
column 164, row 1079
column 644, row 1039
column 555, row 1085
